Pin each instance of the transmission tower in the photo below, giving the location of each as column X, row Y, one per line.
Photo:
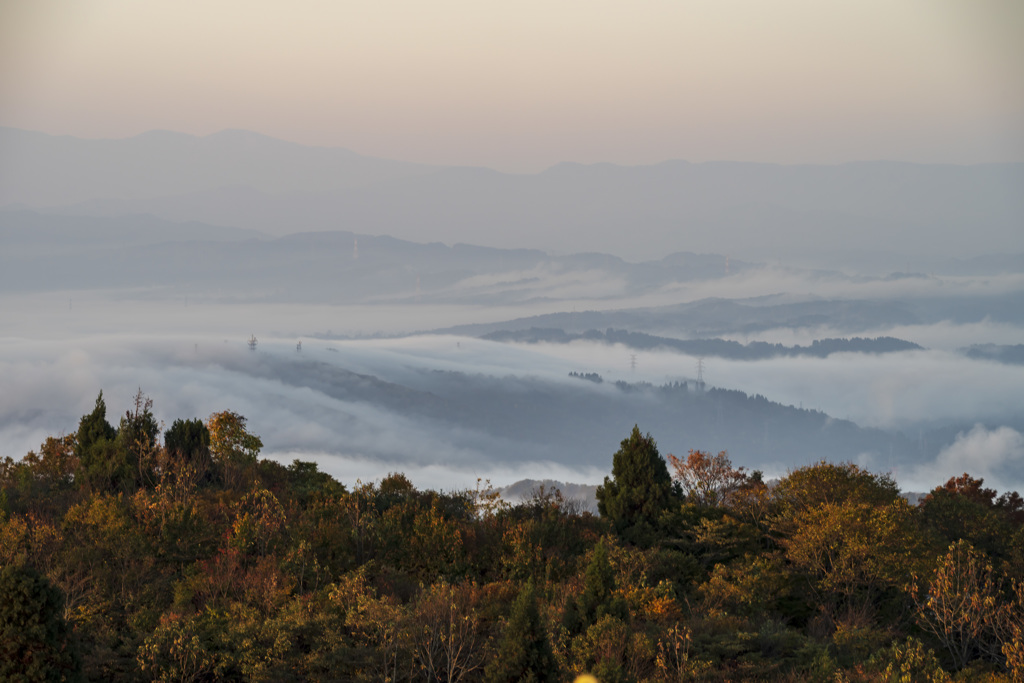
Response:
column 252, row 342
column 632, row 362
column 700, row 374
column 298, row 346
column 355, row 248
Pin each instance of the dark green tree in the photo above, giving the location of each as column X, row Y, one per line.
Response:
column 93, row 429
column 639, row 492
column 101, row 463
column 598, row 597
column 117, row 459
column 187, row 444
column 136, row 440
column 35, row 642
column 524, row 655
column 963, row 509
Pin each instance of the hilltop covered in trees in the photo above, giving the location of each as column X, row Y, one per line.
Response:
column 128, row 555
column 723, row 348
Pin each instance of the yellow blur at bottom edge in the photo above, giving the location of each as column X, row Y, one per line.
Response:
column 585, row 678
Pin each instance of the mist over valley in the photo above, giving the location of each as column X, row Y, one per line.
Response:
column 381, row 350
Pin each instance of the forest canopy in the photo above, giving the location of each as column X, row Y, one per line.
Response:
column 130, row 552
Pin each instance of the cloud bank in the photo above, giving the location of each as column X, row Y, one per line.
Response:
column 49, row 385
column 997, row 455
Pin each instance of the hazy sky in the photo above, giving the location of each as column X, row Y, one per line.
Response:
column 520, row 85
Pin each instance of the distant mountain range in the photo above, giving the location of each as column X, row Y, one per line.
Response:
column 712, row 317
column 54, row 251
column 45, row 170
column 241, row 179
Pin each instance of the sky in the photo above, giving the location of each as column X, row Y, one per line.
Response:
column 524, row 85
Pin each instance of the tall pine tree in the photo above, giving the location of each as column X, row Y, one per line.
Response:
column 639, row 491
column 102, row 464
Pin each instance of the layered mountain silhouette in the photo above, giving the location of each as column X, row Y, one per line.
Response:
column 246, row 180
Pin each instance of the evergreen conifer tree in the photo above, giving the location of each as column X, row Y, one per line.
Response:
column 187, row 443
column 102, row 463
column 93, row 428
column 524, row 655
column 598, row 596
column 639, row 491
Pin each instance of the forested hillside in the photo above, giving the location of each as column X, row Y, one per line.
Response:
column 130, row 552
column 723, row 348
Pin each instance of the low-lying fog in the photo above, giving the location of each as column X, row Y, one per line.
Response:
column 394, row 373
column 362, row 407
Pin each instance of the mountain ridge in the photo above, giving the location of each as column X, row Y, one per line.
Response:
column 738, row 208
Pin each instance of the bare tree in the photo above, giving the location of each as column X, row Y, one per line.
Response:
column 449, row 642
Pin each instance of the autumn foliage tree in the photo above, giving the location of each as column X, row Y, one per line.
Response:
column 963, row 607
column 854, row 556
column 266, row 572
column 827, row 482
column 707, row 479
column 232, row 447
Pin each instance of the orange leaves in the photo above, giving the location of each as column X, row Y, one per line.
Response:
column 661, row 604
column 1013, row 646
column 707, row 479
column 851, row 551
column 962, row 606
column 827, row 482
